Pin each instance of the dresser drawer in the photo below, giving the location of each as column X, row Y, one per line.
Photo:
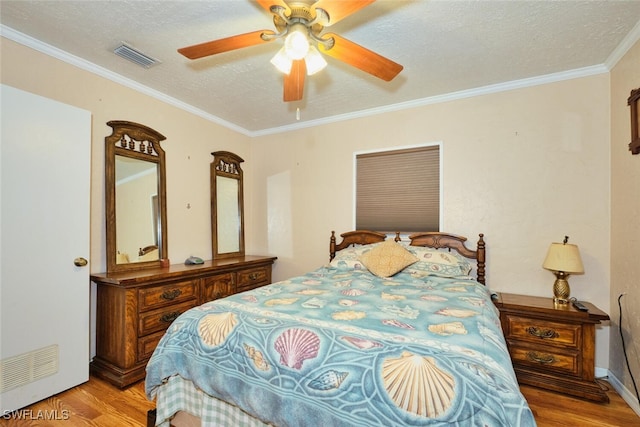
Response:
column 147, row 344
column 543, row 331
column 159, row 320
column 218, row 286
column 546, row 358
column 252, row 278
column 161, row 296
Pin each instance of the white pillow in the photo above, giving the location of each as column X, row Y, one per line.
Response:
column 348, row 258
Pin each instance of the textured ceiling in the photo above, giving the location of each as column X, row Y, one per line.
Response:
column 445, row 47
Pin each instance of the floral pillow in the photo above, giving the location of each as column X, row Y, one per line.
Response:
column 387, row 259
column 349, row 258
column 438, row 262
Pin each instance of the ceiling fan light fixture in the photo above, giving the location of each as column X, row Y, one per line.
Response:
column 314, row 61
column 300, row 23
column 282, row 61
column 296, row 44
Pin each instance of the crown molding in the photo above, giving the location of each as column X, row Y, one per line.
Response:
column 38, row 45
column 83, row 64
column 470, row 93
column 624, row 46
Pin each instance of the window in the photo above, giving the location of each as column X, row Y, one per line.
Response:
column 398, row 190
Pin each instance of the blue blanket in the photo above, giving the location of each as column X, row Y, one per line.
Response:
column 340, row 347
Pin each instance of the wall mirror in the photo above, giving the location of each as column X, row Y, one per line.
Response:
column 227, row 205
column 135, row 197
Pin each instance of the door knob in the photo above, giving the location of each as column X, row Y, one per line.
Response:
column 80, row 262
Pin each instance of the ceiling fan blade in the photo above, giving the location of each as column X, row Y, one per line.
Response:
column 339, row 9
column 266, row 4
column 224, row 45
column 294, row 81
column 360, row 57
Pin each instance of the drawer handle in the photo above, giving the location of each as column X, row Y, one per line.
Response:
column 171, row 295
column 543, row 359
column 254, row 276
column 169, row 317
column 542, row 333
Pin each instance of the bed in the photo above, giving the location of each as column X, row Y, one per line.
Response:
column 392, row 332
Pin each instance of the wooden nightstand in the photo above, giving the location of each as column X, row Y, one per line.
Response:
column 552, row 347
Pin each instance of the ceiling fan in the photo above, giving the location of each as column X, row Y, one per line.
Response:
column 300, row 23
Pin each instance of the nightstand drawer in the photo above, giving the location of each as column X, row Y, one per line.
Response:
column 159, row 320
column 165, row 295
column 543, row 331
column 546, row 359
column 249, row 279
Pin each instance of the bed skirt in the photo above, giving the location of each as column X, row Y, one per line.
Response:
column 180, row 403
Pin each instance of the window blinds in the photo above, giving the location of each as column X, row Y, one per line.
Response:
column 398, row 190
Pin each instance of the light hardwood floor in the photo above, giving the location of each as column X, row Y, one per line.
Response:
column 552, row 409
column 97, row 403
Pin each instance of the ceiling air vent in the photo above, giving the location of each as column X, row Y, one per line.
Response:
column 134, row 55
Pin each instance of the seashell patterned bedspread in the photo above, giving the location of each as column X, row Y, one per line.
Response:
column 340, row 347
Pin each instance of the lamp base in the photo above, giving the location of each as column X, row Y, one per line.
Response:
column 561, row 289
column 560, row 301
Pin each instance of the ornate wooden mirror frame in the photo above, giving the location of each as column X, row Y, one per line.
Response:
column 634, row 99
column 136, row 209
column 227, row 205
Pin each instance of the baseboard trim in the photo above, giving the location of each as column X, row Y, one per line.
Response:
column 628, row 397
column 601, row 372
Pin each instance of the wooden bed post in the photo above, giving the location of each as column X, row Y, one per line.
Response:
column 482, row 252
column 151, row 418
column 332, row 245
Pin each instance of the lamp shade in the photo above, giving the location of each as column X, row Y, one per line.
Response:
column 563, row 257
column 314, row 61
column 282, row 62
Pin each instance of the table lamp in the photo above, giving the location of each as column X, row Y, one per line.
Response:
column 563, row 259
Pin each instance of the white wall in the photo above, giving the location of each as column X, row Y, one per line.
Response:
column 525, row 167
column 625, row 226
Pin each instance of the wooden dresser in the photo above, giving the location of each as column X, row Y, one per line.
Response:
column 134, row 308
column 552, row 347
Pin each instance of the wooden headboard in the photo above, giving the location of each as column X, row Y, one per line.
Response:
column 431, row 239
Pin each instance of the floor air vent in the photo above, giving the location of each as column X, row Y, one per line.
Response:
column 28, row 367
column 134, row 55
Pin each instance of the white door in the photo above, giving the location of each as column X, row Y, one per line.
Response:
column 45, row 160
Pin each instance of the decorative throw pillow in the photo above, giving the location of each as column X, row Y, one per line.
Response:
column 387, row 259
column 349, row 258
